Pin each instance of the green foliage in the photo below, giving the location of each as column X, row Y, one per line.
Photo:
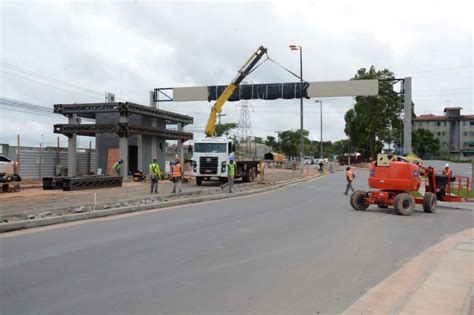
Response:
column 375, row 120
column 271, row 142
column 425, row 144
column 223, row 128
column 291, row 143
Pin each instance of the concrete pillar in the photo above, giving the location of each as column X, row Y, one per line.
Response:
column 180, row 148
column 123, row 148
column 140, row 153
column 72, row 150
column 154, row 124
column 407, row 108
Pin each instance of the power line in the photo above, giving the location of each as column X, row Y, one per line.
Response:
column 45, row 84
column 39, row 75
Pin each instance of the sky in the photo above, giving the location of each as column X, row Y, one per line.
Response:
column 130, row 48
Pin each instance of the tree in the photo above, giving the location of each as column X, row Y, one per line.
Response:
column 374, row 120
column 424, row 143
column 271, row 142
column 223, row 128
column 290, row 143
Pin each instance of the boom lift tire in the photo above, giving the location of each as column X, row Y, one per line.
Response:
column 5, row 188
column 357, row 200
column 404, row 204
column 199, row 180
column 429, row 202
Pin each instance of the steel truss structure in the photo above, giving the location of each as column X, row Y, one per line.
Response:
column 122, row 129
column 88, row 110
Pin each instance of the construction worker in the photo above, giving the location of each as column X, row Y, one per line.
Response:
column 350, row 178
column 176, row 174
column 447, row 170
column 230, row 175
column 117, row 167
column 155, row 174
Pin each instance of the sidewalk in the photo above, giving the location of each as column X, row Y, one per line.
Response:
column 438, row 281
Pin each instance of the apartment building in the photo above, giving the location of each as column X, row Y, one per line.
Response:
column 454, row 131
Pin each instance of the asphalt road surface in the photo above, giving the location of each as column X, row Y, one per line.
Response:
column 301, row 249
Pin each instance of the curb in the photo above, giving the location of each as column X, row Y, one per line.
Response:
column 20, row 225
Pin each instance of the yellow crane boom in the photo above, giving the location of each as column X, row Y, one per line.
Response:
column 229, row 90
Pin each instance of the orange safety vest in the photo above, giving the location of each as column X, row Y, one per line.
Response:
column 176, row 170
column 350, row 175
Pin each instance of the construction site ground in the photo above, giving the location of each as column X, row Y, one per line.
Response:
column 36, row 203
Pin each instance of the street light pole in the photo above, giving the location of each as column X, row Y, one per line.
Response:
column 321, row 123
column 296, row 47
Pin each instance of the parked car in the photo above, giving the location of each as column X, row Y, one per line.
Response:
column 307, row 160
column 7, row 166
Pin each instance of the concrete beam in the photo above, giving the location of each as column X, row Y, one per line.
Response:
column 315, row 89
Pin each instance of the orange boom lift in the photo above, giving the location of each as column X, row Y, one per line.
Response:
column 395, row 178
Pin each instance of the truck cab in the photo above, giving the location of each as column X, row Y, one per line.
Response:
column 210, row 158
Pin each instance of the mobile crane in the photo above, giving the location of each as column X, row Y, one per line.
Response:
column 211, row 155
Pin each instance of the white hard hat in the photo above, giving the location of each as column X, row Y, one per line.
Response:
column 446, row 165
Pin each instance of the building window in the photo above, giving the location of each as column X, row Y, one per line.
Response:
column 438, row 123
column 438, row 134
column 464, row 133
column 444, row 144
column 444, row 133
column 471, row 123
column 472, row 133
column 445, row 123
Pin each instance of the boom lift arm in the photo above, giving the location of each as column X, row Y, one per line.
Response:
column 229, row 90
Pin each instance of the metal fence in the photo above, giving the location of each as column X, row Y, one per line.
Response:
column 36, row 163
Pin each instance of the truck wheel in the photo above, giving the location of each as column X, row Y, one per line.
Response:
column 199, row 180
column 358, row 201
column 429, row 202
column 404, row 204
column 5, row 187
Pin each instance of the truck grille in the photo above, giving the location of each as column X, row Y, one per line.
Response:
column 208, row 165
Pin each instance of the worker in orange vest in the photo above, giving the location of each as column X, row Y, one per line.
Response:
column 350, row 178
column 447, row 170
column 176, row 174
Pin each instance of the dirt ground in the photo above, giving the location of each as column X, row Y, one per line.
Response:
column 36, row 199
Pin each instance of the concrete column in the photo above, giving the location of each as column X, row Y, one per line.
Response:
column 154, row 124
column 407, row 108
column 123, row 148
column 72, row 150
column 180, row 148
column 140, row 153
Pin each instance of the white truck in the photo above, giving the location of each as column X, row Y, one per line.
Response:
column 210, row 158
column 8, row 178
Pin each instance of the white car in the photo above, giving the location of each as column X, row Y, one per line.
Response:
column 7, row 166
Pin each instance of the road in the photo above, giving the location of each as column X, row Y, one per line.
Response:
column 300, row 249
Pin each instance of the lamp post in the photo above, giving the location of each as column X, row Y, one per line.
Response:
column 321, row 120
column 296, row 47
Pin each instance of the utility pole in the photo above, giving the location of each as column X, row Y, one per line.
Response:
column 296, row 47
column 321, row 123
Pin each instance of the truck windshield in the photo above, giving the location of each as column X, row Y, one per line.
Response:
column 210, row 147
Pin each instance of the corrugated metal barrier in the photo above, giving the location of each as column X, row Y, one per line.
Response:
column 35, row 164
